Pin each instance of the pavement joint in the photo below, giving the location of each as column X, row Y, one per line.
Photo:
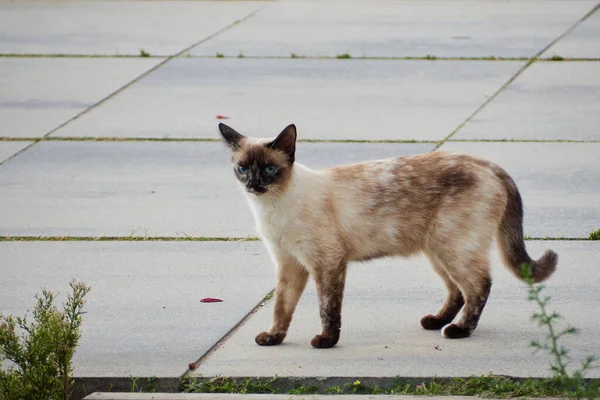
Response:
column 553, row 58
column 9, row 238
column 230, row 333
column 216, row 140
column 125, row 239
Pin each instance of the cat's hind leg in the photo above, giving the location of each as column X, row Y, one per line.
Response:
column 474, row 280
column 292, row 278
column 330, row 289
column 451, row 306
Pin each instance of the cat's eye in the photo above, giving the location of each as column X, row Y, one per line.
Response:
column 242, row 170
column 270, row 169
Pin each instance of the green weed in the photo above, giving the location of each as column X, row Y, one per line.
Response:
column 595, row 235
column 572, row 383
column 144, row 53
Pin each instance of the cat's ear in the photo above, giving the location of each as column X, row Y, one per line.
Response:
column 231, row 137
column 286, row 142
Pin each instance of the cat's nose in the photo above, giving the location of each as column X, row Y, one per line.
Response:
column 255, row 187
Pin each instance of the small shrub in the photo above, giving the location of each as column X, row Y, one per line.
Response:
column 595, row 235
column 42, row 350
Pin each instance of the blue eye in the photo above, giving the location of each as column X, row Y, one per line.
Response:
column 242, row 170
column 270, row 169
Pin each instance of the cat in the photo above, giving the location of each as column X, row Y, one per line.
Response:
column 448, row 206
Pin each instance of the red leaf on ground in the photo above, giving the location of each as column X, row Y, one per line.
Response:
column 222, row 117
column 192, row 366
column 210, row 300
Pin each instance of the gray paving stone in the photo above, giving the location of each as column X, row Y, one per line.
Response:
column 399, row 28
column 558, row 183
column 8, row 149
column 327, row 99
column 39, row 94
column 581, row 42
column 144, row 188
column 113, row 27
column 381, row 335
column 144, row 315
column 550, row 100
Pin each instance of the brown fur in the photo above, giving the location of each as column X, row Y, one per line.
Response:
column 448, row 206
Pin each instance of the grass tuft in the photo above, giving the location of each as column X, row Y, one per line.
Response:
column 220, row 55
column 343, row 56
column 144, row 53
column 483, row 386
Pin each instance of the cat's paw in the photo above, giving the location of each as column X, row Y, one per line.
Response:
column 266, row 339
column 323, row 342
column 454, row 331
column 431, row 322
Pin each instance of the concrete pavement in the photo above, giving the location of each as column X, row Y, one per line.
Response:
column 112, row 160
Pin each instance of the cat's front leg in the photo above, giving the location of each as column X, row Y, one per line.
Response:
column 292, row 278
column 330, row 288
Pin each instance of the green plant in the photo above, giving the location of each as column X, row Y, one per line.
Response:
column 343, row 56
column 303, row 389
column 556, row 57
column 430, row 57
column 572, row 382
column 595, row 235
column 42, row 350
column 334, row 390
column 293, row 55
column 219, row 55
column 144, row 53
column 226, row 385
column 240, row 55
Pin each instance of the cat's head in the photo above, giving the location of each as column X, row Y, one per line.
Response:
column 261, row 165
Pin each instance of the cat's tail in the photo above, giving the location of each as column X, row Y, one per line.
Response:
column 511, row 241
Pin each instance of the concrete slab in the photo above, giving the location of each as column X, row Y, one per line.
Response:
column 38, row 94
column 399, row 29
column 550, row 100
column 581, row 42
column 144, row 315
column 144, row 188
column 326, row 99
column 381, row 335
column 80, row 27
column 558, row 183
column 10, row 148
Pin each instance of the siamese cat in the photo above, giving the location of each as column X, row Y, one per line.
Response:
column 448, row 206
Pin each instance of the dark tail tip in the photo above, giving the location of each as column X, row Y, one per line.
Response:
column 545, row 266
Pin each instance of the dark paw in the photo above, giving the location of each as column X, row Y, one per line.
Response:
column 265, row 339
column 431, row 322
column 323, row 342
column 454, row 331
